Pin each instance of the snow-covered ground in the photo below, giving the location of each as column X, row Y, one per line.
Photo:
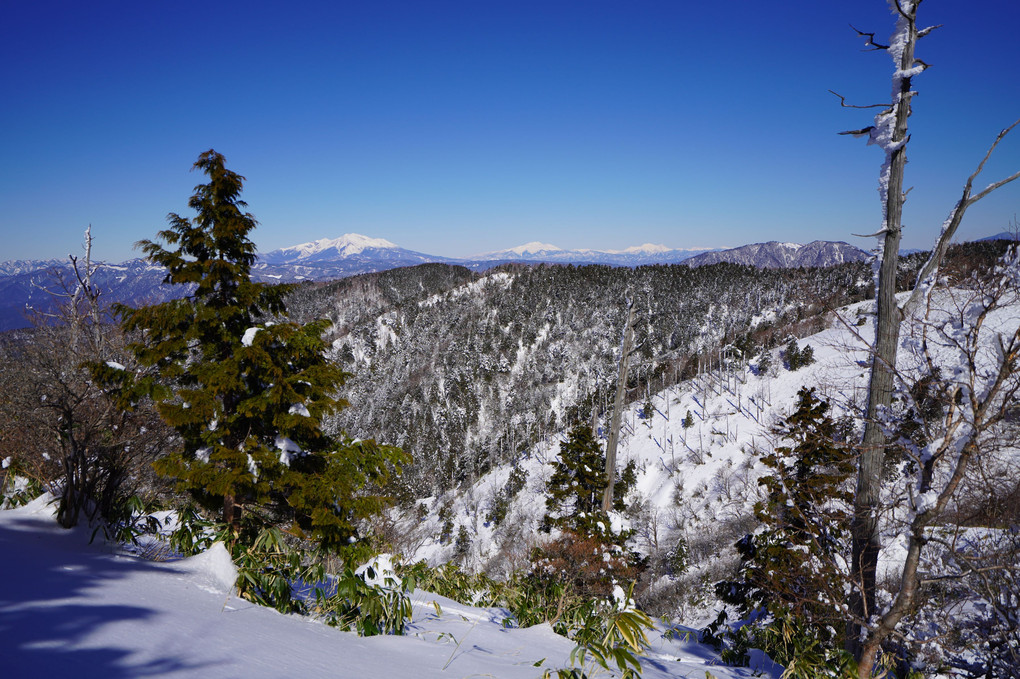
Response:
column 72, row 609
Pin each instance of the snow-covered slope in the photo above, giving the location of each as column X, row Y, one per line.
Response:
column 689, row 479
column 68, row 608
column 698, row 484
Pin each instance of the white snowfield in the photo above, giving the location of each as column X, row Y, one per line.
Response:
column 72, row 609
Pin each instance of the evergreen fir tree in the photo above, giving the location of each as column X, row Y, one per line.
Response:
column 588, row 555
column 577, row 484
column 246, row 390
column 795, row 560
column 764, row 362
column 797, row 357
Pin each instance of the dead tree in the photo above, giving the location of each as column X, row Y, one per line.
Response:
column 89, row 453
column 626, row 349
column 890, row 133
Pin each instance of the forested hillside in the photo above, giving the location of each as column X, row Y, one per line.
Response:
column 463, row 371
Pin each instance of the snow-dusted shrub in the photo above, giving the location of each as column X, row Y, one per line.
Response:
column 609, row 630
column 372, row 602
column 57, row 426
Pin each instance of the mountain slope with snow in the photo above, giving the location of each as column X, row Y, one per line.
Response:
column 697, row 484
column 348, row 245
column 331, row 258
column 784, row 255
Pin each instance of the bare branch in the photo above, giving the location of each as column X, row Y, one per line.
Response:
column 953, row 222
column 842, row 102
column 996, row 185
column 991, row 149
column 871, row 40
column 922, row 63
column 870, row 235
column 863, row 132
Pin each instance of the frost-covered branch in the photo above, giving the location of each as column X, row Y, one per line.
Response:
column 925, row 280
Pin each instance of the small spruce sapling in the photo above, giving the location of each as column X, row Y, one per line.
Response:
column 798, row 357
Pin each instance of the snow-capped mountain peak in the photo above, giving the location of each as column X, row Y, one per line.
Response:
column 328, row 258
column 526, row 251
column 534, row 246
column 346, row 245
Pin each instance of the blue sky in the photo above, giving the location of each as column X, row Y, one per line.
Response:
column 461, row 127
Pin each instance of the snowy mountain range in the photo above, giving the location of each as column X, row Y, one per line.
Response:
column 636, row 255
column 331, row 258
column 23, row 283
column 353, row 253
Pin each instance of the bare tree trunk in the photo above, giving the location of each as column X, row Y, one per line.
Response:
column 890, row 132
column 626, row 349
column 232, row 514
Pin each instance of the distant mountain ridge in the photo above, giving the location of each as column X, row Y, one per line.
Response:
column 347, row 245
column 331, row 258
column 23, row 282
column 14, row 267
column 635, row 255
column 776, row 255
column 1004, row 235
column 37, row 288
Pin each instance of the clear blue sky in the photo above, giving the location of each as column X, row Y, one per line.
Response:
column 460, row 127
